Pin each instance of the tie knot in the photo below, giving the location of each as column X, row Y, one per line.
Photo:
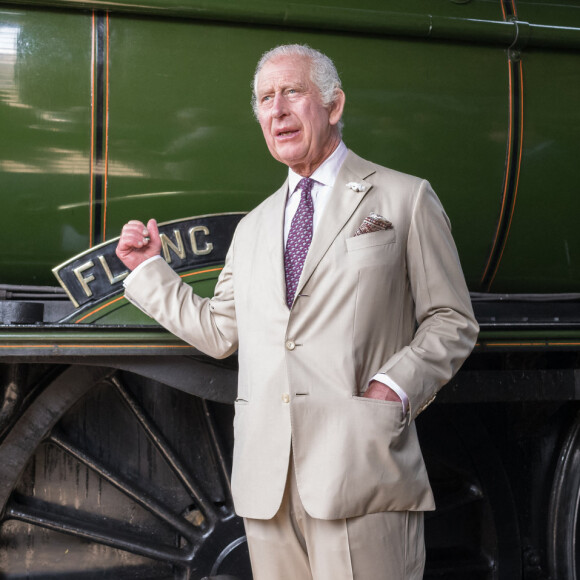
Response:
column 305, row 185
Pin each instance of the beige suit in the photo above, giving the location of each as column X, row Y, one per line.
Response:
column 393, row 301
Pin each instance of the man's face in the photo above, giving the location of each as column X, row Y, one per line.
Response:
column 299, row 131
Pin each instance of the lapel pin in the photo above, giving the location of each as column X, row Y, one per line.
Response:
column 357, row 186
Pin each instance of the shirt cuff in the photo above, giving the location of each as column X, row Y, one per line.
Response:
column 139, row 267
column 386, row 380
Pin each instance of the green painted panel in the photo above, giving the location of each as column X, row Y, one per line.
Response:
column 543, row 12
column 543, row 249
column 44, row 150
column 480, row 9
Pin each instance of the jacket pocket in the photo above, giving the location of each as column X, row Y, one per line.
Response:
column 395, row 407
column 371, row 239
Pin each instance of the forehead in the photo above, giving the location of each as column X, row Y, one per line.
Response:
column 284, row 70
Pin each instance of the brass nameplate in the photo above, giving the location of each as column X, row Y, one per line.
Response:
column 186, row 244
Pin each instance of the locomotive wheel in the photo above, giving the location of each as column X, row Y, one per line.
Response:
column 564, row 510
column 106, row 475
column 110, row 475
column 474, row 531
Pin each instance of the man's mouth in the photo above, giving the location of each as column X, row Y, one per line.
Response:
column 286, row 133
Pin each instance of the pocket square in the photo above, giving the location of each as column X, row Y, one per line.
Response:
column 373, row 223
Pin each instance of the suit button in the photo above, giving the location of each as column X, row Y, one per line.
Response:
column 285, row 398
column 290, row 345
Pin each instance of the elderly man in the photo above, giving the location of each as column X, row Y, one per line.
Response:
column 344, row 297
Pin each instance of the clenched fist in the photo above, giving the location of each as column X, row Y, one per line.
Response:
column 138, row 243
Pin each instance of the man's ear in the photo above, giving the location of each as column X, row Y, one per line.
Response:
column 337, row 107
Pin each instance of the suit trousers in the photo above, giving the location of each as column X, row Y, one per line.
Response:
column 294, row 546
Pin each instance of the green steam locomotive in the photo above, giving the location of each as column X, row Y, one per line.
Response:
column 115, row 437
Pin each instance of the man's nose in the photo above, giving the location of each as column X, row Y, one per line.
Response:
column 279, row 107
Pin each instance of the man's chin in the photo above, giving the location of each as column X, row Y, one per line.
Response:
column 291, row 158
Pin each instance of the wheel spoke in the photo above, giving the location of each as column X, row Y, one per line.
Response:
column 204, row 504
column 181, row 525
column 46, row 517
column 218, row 450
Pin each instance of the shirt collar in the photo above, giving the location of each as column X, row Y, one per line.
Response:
column 325, row 174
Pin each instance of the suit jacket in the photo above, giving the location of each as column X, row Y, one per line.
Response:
column 392, row 301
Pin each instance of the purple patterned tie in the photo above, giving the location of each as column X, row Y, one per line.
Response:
column 299, row 239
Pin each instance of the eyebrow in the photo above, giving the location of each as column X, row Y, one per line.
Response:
column 269, row 89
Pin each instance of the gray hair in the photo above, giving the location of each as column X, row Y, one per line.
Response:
column 323, row 73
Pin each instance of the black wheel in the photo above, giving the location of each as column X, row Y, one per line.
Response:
column 564, row 510
column 474, row 533
column 110, row 475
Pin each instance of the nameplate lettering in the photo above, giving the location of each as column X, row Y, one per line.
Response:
column 185, row 244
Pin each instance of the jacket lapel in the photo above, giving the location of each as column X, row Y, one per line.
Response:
column 340, row 207
column 274, row 240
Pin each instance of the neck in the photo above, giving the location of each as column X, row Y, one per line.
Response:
column 306, row 170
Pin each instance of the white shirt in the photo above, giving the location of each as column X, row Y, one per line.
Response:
column 324, row 178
